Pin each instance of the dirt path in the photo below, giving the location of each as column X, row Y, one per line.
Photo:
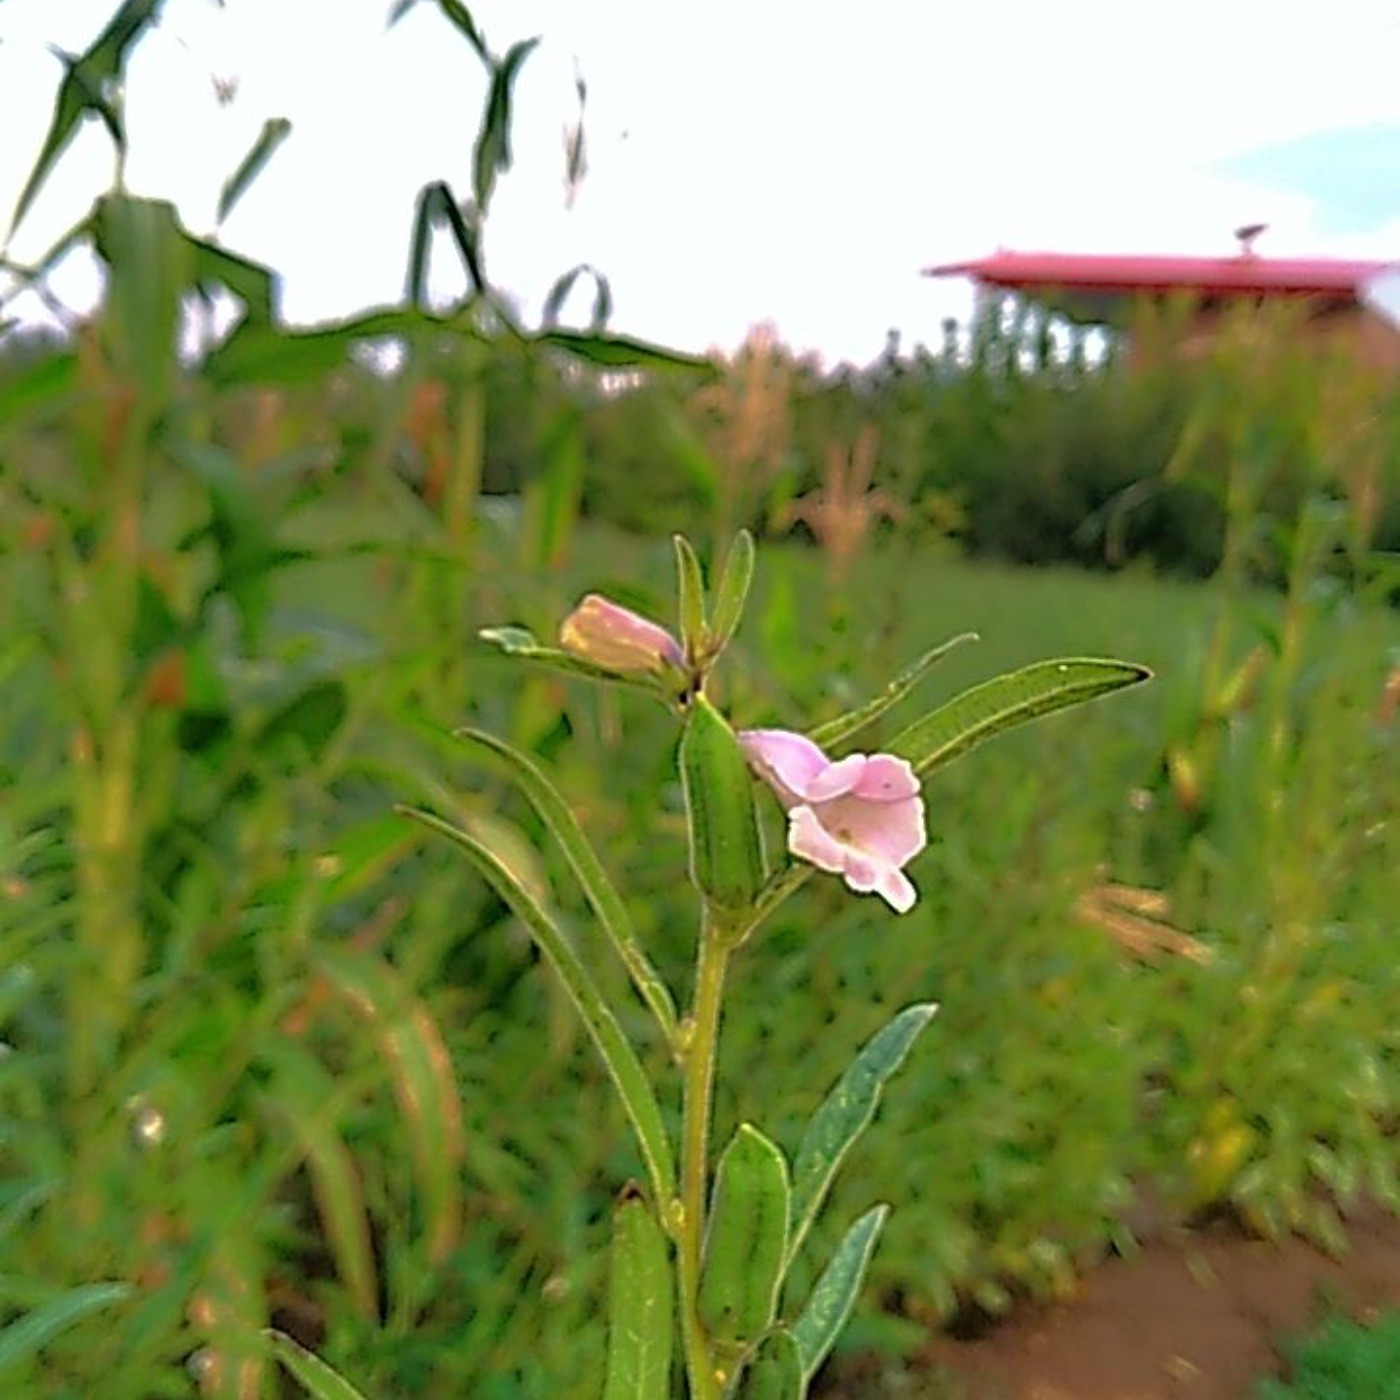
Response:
column 1193, row 1316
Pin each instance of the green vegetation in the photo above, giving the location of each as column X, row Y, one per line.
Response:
column 1341, row 1361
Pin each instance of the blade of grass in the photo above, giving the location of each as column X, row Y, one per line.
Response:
column 598, row 889
column 30, row 1333
column 425, row 1087
column 618, row 1055
column 320, row 1380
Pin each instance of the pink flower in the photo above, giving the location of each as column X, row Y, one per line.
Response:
column 617, row 639
column 860, row 817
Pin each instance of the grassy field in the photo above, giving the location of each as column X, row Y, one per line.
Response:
column 283, row 1061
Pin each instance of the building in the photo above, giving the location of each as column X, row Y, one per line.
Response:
column 1332, row 298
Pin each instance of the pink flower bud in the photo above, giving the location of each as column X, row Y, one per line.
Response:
column 617, row 639
column 860, row 817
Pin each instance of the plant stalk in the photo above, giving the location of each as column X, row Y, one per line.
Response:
column 711, row 963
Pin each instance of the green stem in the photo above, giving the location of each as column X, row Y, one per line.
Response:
column 711, row 962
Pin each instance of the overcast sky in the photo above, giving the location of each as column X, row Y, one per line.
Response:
column 798, row 162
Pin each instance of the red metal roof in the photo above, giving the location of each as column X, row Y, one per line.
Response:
column 1336, row 279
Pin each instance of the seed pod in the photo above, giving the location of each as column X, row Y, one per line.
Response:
column 726, row 856
column 747, row 1239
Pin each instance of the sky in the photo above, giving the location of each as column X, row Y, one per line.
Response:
column 797, row 163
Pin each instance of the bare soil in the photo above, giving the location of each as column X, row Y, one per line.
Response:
column 1195, row 1315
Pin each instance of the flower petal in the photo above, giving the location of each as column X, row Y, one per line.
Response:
column 787, row 762
column 837, row 778
column 897, row 890
column 809, row 840
column 886, row 779
column 889, row 831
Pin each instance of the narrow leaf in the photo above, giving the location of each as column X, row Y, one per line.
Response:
column 33, row 1331
column 846, row 1112
column 304, row 1095
column 436, row 205
column 640, row 1327
column 598, row 889
column 626, row 1070
column 320, row 1380
column 493, row 151
column 775, row 1372
column 843, row 727
column 690, row 589
column 621, row 351
column 460, row 18
column 85, row 81
column 425, row 1087
column 275, row 131
column 559, row 294
column 1010, row 700
column 733, row 592
column 44, row 385
column 835, row 1293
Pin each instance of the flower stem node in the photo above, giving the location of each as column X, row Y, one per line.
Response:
column 860, row 817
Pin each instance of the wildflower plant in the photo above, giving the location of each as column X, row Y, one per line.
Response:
column 702, row 1251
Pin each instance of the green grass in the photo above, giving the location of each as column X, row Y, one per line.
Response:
column 1342, row 1360
column 1059, row 1074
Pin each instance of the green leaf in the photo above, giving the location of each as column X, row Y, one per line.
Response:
column 308, row 721
column 492, row 156
column 733, row 592
column 640, row 1327
column 150, row 270
column 412, row 1047
column 775, row 1372
column 621, row 351
column 320, row 1380
column 553, row 497
column 1010, row 700
column 834, row 1296
column 598, row 889
column 249, row 281
column 437, row 205
column 31, row 1332
column 303, row 1094
column 520, row 642
column 264, row 354
column 746, row 1243
column 45, row 384
column 457, row 13
column 275, row 131
column 559, row 293
column 843, row 727
column 84, row 90
column 621, row 1061
column 846, row 1112
column 690, row 589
